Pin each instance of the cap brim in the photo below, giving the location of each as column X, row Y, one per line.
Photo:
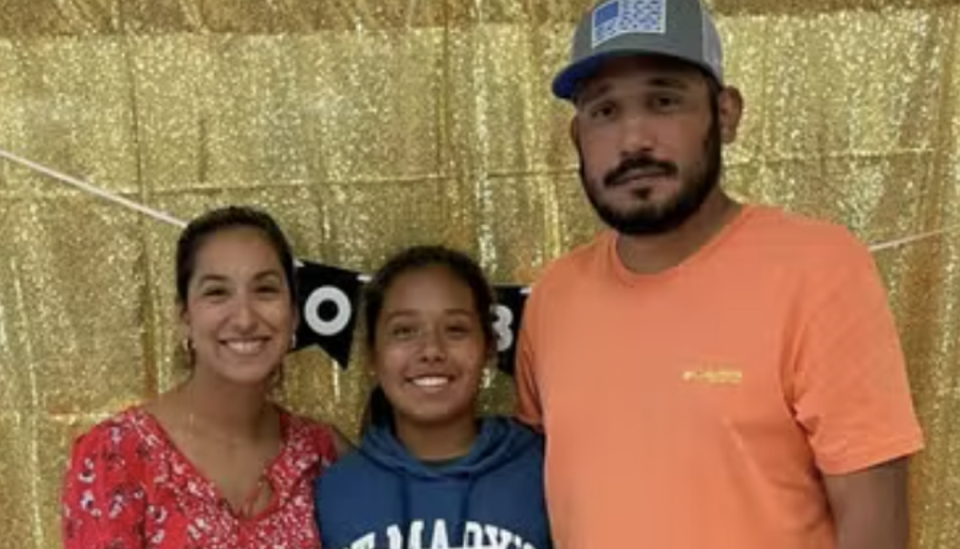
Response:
column 567, row 83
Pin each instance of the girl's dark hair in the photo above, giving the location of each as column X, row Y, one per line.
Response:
column 460, row 265
column 198, row 231
column 379, row 412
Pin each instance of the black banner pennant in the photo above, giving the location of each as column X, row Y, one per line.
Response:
column 507, row 314
column 329, row 303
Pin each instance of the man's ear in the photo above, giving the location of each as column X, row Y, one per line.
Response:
column 574, row 132
column 730, row 107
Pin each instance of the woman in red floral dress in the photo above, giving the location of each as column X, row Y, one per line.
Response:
column 213, row 463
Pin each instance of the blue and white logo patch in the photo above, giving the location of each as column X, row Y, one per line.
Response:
column 619, row 17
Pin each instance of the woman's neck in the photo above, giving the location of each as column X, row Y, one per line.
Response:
column 235, row 412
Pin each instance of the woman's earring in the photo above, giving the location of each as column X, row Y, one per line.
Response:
column 486, row 381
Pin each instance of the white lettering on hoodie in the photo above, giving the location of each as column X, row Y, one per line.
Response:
column 475, row 536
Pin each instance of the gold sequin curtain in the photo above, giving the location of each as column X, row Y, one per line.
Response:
column 368, row 125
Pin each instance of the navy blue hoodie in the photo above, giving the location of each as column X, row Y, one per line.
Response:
column 382, row 497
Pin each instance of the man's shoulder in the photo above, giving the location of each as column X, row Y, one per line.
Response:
column 575, row 264
column 802, row 237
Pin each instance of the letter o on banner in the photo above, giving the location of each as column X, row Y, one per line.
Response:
column 318, row 297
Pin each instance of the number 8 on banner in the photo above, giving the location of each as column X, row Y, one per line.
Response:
column 503, row 327
column 507, row 315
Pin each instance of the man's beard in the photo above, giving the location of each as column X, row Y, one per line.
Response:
column 658, row 219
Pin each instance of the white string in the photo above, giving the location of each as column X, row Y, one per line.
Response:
column 84, row 186
column 890, row 244
column 116, row 199
column 162, row 216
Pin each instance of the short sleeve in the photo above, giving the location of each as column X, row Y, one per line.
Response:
column 103, row 497
column 851, row 392
column 529, row 408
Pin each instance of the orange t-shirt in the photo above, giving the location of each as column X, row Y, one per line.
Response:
column 697, row 408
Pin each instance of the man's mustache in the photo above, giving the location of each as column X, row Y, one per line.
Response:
column 645, row 163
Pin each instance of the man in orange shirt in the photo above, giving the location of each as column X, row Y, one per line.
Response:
column 709, row 375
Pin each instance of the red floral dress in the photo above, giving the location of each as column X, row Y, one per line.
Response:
column 129, row 487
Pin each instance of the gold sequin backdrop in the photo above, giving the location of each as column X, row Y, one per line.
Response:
column 367, row 125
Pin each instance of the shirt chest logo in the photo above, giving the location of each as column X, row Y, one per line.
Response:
column 713, row 374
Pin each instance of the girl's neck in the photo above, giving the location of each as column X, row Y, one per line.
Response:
column 438, row 442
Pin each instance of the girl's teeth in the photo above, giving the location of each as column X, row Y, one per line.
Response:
column 431, row 381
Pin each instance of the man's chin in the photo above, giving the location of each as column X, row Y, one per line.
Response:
column 647, row 214
column 649, row 221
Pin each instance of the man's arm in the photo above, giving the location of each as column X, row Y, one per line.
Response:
column 870, row 507
column 851, row 394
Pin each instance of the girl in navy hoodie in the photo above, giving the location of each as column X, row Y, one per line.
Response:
column 428, row 473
